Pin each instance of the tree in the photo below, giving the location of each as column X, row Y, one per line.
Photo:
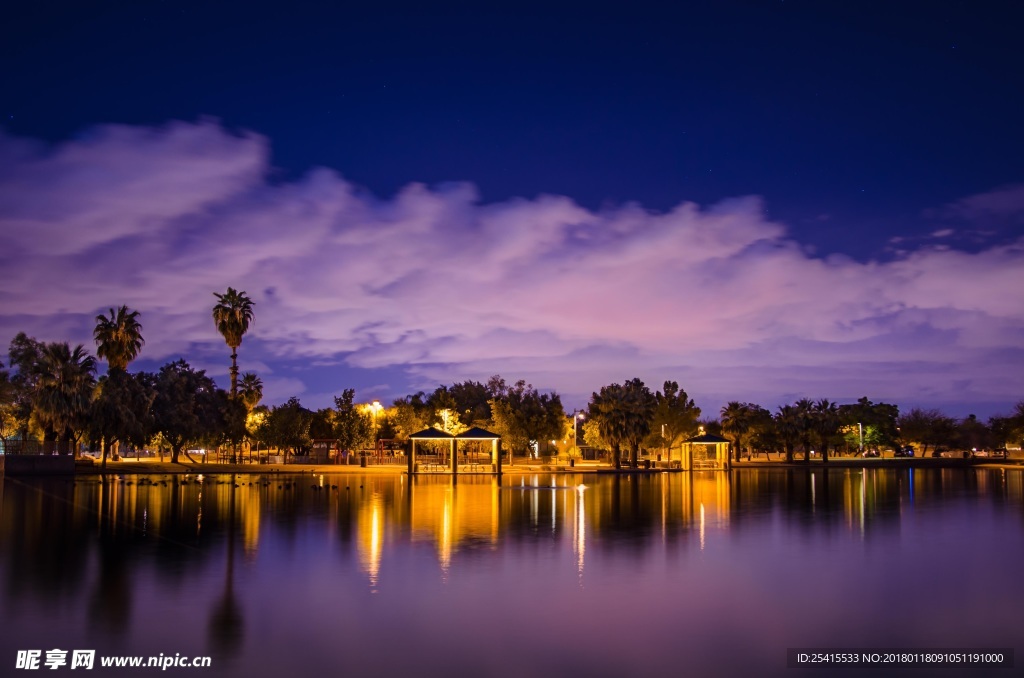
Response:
column 805, row 418
column 736, row 421
column 118, row 338
column 9, row 422
column 186, row 407
column 743, row 422
column 763, row 436
column 592, row 435
column 411, row 414
column 877, row 421
column 472, row 402
column 25, row 355
column 926, row 428
column 288, row 427
column 675, row 417
column 121, row 410
column 352, row 427
column 64, row 390
column 1007, row 430
column 118, row 341
column 232, row 314
column 250, row 391
column 788, row 428
column 446, row 414
column 973, row 435
column 623, row 413
column 825, row 423
column 522, row 416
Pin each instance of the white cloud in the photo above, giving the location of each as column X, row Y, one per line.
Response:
column 433, row 280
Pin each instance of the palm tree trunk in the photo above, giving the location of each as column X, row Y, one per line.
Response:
column 234, row 372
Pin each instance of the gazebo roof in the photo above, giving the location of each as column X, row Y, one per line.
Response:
column 477, row 433
column 707, row 439
column 432, row 434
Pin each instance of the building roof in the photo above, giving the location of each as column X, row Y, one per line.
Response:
column 477, row 433
column 432, row 434
column 707, row 439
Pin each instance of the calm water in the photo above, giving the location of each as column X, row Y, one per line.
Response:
column 654, row 575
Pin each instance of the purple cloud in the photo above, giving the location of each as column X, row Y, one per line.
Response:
column 445, row 287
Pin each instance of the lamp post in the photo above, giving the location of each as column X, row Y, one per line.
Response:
column 860, row 429
column 376, row 408
column 576, row 416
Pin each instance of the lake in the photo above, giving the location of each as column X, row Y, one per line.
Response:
column 703, row 574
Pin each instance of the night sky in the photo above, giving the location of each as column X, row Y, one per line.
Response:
column 760, row 200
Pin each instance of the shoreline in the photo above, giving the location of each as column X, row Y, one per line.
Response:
column 149, row 467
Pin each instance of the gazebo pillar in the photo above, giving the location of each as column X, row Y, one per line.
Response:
column 455, row 459
column 412, row 457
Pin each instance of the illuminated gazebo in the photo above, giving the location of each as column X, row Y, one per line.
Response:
column 429, row 434
column 477, row 433
column 472, row 434
column 706, row 452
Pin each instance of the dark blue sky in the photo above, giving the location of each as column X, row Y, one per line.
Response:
column 849, row 118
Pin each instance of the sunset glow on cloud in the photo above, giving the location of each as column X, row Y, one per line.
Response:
column 436, row 283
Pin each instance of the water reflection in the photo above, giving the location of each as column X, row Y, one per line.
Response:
column 238, row 557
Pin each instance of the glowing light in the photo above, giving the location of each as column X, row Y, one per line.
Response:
column 702, row 526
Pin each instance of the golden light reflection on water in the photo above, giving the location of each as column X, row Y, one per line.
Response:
column 451, row 514
column 118, row 555
column 579, row 523
column 480, row 513
column 370, row 541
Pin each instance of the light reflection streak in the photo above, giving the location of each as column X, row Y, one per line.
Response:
column 580, row 532
column 371, row 542
column 702, row 526
column 863, row 498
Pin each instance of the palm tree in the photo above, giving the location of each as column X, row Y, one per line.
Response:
column 118, row 341
column 787, row 424
column 232, row 315
column 64, row 389
column 736, row 422
column 251, row 391
column 623, row 413
column 605, row 409
column 640, row 405
column 805, row 422
column 118, row 338
column 825, row 424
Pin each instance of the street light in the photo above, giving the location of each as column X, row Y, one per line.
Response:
column 376, row 407
column 860, row 427
column 575, row 435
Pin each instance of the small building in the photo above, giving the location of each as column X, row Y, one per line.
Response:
column 706, row 452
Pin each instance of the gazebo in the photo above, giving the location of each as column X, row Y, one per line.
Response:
column 706, row 452
column 477, row 433
column 428, row 434
column 474, row 433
